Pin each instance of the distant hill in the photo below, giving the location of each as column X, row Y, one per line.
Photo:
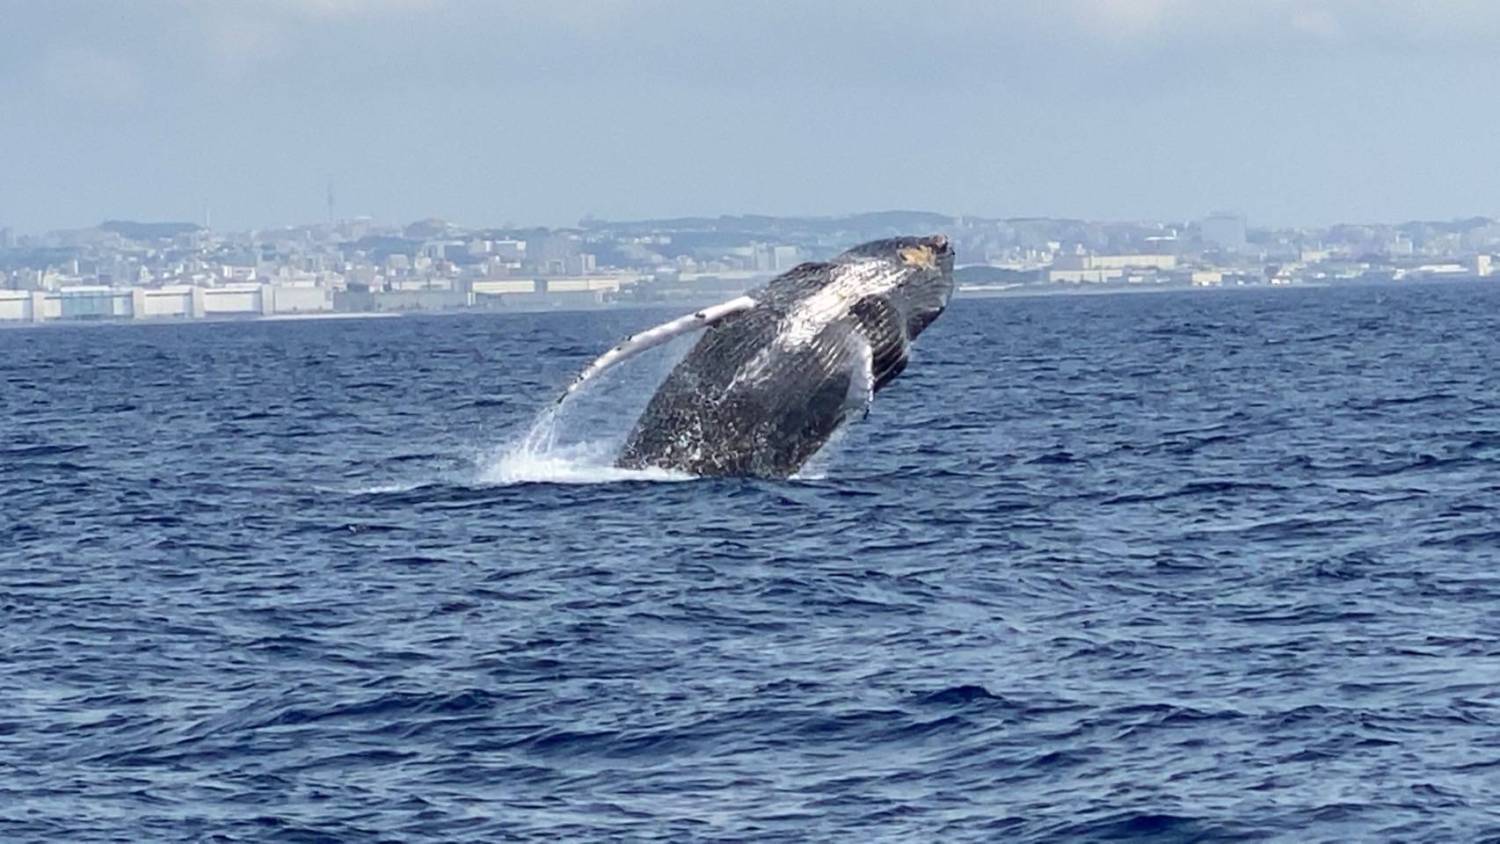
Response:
column 873, row 223
column 148, row 231
column 380, row 247
column 907, row 221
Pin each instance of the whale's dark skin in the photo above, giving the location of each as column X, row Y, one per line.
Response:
column 765, row 388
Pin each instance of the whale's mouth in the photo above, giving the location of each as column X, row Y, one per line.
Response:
column 927, row 286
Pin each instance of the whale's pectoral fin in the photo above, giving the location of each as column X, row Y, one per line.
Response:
column 643, row 341
column 882, row 326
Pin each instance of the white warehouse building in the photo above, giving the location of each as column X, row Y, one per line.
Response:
column 96, row 302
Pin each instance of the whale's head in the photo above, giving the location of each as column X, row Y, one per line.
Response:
column 912, row 274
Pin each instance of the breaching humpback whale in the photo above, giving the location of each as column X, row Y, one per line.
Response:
column 779, row 369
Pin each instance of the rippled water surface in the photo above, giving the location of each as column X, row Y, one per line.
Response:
column 1168, row 567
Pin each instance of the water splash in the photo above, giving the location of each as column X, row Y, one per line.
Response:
column 585, row 463
column 862, row 378
column 544, row 455
column 376, row 489
column 542, row 437
column 537, row 457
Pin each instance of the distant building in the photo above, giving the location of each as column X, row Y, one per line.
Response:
column 496, row 268
column 366, row 277
column 103, row 302
column 785, row 257
column 1116, row 262
column 553, row 247
column 1224, row 231
column 510, row 250
column 775, row 259
column 440, row 250
column 581, row 264
column 1097, row 269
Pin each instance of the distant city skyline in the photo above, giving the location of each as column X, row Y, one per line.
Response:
column 166, row 271
column 1299, row 113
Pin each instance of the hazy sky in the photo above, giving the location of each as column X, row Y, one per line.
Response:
column 542, row 111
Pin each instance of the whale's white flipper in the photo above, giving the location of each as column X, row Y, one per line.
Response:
column 653, row 337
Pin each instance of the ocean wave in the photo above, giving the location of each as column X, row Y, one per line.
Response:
column 1079, row 576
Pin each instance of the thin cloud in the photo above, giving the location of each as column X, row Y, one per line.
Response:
column 1375, row 24
column 350, row 8
column 88, row 76
column 542, row 109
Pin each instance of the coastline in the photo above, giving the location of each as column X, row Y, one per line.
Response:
column 1030, row 291
column 690, row 302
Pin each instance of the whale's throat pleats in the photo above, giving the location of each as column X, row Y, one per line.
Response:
column 884, row 329
column 742, row 403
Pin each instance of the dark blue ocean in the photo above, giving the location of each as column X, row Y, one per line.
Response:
column 1174, row 567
